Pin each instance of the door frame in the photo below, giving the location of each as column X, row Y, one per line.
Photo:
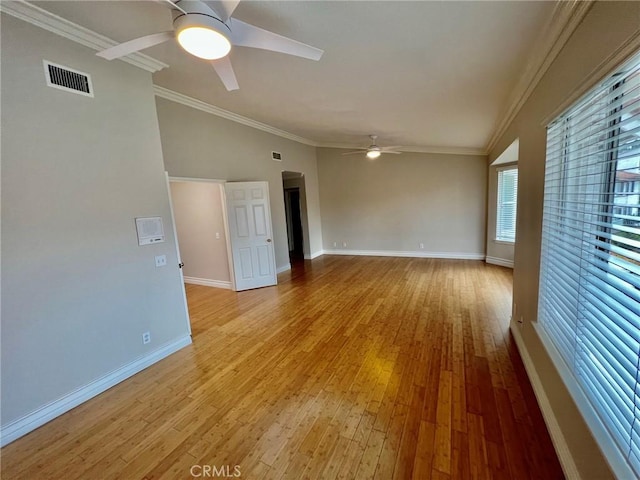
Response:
column 304, row 211
column 225, row 219
column 178, row 255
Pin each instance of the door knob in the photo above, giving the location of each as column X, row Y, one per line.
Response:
column 269, row 240
column 180, row 265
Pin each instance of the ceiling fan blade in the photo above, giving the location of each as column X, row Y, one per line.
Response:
column 225, row 71
column 245, row 35
column 170, row 4
column 224, row 8
column 355, row 152
column 390, row 151
column 135, row 45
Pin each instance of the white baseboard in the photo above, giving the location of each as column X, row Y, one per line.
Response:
column 207, row 282
column 284, row 268
column 314, row 255
column 16, row 429
column 557, row 437
column 407, row 253
column 499, row 261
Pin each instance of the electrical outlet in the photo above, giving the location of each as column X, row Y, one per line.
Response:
column 161, row 260
column 344, row 244
column 146, row 338
column 217, row 235
column 421, row 246
column 335, row 244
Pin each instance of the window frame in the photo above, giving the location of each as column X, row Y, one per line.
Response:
column 596, row 260
column 497, row 238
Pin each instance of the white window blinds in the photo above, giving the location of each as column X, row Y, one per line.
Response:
column 589, row 303
column 507, row 204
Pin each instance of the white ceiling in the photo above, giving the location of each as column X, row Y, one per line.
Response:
column 418, row 74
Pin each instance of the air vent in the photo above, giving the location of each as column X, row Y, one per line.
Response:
column 65, row 78
column 276, row 156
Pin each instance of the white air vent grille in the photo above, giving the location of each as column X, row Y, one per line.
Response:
column 67, row 79
column 277, row 156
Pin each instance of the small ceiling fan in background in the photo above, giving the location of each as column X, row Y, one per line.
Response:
column 206, row 30
column 374, row 151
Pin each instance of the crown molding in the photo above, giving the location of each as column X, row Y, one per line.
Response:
column 427, row 149
column 445, row 150
column 182, row 99
column 234, row 117
column 566, row 17
column 53, row 23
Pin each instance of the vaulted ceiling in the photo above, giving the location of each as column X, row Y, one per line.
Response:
column 419, row 74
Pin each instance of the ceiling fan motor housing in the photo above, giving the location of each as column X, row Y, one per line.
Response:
column 198, row 19
column 212, row 31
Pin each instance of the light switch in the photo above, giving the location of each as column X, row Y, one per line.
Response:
column 218, row 235
column 161, row 260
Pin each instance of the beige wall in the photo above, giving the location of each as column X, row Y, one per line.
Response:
column 200, row 145
column 497, row 252
column 606, row 28
column 77, row 290
column 396, row 202
column 197, row 208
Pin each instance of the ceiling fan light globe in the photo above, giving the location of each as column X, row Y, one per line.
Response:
column 204, row 43
column 373, row 154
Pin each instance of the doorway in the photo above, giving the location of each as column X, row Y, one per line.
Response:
column 294, row 223
column 295, row 213
column 198, row 208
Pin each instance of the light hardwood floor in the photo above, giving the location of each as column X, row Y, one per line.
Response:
column 351, row 367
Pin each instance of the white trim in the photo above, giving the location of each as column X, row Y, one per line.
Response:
column 53, row 23
column 557, row 437
column 502, row 168
column 207, row 282
column 608, row 447
column 566, row 17
column 407, row 253
column 418, row 149
column 504, row 242
column 219, row 112
column 202, row 180
column 499, row 261
column 46, row 413
column 178, row 256
column 284, row 268
column 314, row 255
column 227, row 236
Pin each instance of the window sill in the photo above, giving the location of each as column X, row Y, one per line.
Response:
column 504, row 242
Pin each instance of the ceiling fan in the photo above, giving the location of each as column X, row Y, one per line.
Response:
column 206, row 30
column 374, row 151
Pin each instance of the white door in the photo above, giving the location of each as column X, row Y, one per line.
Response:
column 249, row 217
column 180, row 264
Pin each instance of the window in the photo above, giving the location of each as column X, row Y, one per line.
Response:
column 589, row 303
column 507, row 204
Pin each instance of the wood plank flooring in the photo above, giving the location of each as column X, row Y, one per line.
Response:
column 352, row 367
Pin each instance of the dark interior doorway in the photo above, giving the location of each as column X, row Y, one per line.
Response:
column 294, row 224
column 292, row 182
